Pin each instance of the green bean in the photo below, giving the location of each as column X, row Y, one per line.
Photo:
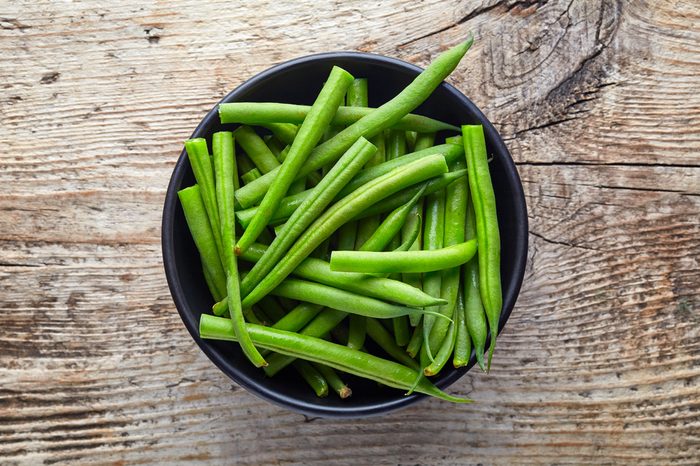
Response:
column 463, row 344
column 312, row 377
column 357, row 96
column 290, row 203
column 198, row 155
column 431, row 186
column 391, row 225
column 256, row 149
column 309, row 211
column 424, row 140
column 347, row 301
column 456, row 197
column 251, row 175
column 403, row 261
column 198, row 223
column 341, row 212
column 322, row 324
column 310, row 132
column 223, row 166
column 283, row 131
column 444, row 353
column 473, row 309
column 318, row 270
column 357, row 331
column 337, row 356
column 334, row 381
column 451, row 152
column 416, row 341
column 385, row 340
column 371, row 124
column 265, row 113
column 433, row 237
column 487, row 232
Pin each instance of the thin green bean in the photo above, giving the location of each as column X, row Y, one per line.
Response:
column 265, row 113
column 403, row 261
column 223, row 167
column 487, row 233
column 433, row 237
column 380, row 335
column 347, row 301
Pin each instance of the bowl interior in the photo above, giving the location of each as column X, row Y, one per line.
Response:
column 299, row 81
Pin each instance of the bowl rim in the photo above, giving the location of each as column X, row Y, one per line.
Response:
column 179, row 296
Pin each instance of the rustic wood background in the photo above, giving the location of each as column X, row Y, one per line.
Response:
column 599, row 101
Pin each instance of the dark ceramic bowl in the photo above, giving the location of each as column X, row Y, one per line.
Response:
column 298, row 81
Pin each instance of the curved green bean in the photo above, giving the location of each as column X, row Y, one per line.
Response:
column 487, row 233
column 310, row 132
column 403, row 261
column 342, row 300
column 266, row 113
column 338, row 357
column 340, row 212
column 371, row 124
column 224, row 161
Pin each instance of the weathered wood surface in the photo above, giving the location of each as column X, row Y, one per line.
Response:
column 600, row 103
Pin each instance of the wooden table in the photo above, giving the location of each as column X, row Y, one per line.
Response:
column 599, row 102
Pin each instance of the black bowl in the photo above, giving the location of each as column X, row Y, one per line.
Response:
column 298, row 81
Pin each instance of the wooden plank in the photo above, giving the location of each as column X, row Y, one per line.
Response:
column 598, row 101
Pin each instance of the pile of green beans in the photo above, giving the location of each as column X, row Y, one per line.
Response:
column 368, row 239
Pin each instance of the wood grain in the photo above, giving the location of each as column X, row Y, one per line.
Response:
column 598, row 101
